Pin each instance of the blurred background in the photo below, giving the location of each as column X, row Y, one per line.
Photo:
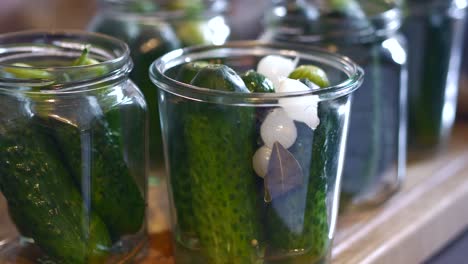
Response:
column 245, row 22
column 71, row 14
column 51, row 14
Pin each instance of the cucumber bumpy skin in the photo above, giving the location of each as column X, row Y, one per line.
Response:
column 219, row 142
column 299, row 220
column 115, row 196
column 223, row 181
column 179, row 175
column 43, row 201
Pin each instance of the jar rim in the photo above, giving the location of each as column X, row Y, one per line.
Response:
column 115, row 55
column 158, row 69
column 381, row 23
column 420, row 8
column 122, row 7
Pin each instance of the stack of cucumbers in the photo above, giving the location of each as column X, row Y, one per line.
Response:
column 66, row 181
column 225, row 211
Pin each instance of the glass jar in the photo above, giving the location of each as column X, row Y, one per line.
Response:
column 73, row 154
column 367, row 33
column 435, row 34
column 152, row 28
column 463, row 97
column 222, row 211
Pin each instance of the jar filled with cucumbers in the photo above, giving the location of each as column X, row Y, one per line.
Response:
column 434, row 30
column 152, row 28
column 73, row 150
column 254, row 140
column 367, row 32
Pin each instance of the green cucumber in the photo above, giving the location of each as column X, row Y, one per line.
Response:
column 312, row 73
column 187, row 71
column 43, row 201
column 180, row 175
column 257, row 82
column 20, row 70
column 219, row 77
column 223, row 182
column 114, row 192
column 177, row 154
column 219, row 143
column 298, row 220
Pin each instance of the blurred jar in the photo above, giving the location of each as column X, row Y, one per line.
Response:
column 463, row 97
column 435, row 33
column 366, row 31
column 152, row 28
column 73, row 149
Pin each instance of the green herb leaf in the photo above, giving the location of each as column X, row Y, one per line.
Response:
column 26, row 73
column 284, row 172
column 84, row 60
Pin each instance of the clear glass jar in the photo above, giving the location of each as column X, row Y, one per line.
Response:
column 152, row 28
column 222, row 211
column 434, row 30
column 366, row 31
column 463, row 96
column 73, row 150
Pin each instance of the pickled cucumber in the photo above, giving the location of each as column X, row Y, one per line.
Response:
column 223, row 182
column 298, row 221
column 220, row 143
column 43, row 201
column 106, row 178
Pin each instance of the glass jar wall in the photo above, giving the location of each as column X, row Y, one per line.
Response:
column 366, row 31
column 73, row 154
column 434, row 30
column 152, row 28
column 225, row 210
column 462, row 105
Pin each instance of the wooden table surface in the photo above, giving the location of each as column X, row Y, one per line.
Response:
column 430, row 210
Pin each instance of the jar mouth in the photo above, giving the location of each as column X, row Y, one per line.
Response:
column 128, row 9
column 420, row 8
column 42, row 52
column 374, row 20
column 436, row 3
column 351, row 74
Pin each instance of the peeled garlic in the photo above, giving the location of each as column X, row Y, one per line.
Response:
column 302, row 108
column 278, row 127
column 275, row 68
column 260, row 160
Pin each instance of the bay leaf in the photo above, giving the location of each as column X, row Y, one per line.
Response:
column 284, row 172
